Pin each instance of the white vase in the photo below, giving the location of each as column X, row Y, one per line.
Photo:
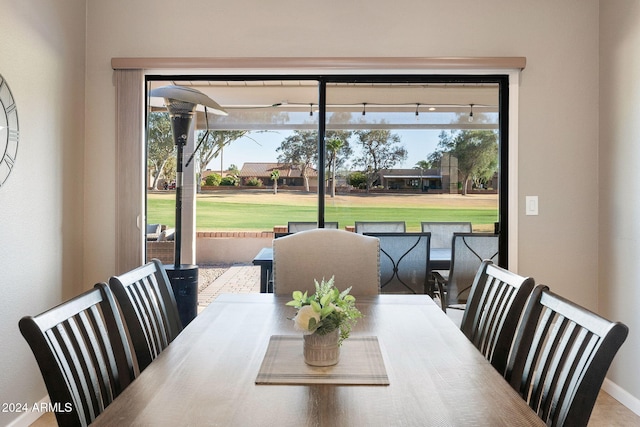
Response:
column 321, row 350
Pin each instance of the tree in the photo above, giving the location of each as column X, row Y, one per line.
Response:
column 380, row 150
column 476, row 151
column 213, row 146
column 275, row 175
column 423, row 164
column 357, row 179
column 160, row 145
column 300, row 149
column 334, row 145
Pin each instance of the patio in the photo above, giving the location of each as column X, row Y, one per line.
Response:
column 214, row 280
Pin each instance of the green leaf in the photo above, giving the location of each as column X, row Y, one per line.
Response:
column 325, row 299
column 326, row 310
column 312, row 324
column 316, row 306
column 297, row 295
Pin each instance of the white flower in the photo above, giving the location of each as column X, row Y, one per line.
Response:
column 304, row 317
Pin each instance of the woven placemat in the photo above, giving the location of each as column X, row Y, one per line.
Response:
column 360, row 363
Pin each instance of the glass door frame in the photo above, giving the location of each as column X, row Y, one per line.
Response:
column 502, row 80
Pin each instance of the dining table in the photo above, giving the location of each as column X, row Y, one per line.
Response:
column 439, row 259
column 240, row 363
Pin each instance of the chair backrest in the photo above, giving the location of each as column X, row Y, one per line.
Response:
column 493, row 310
column 467, row 253
column 296, row 226
column 83, row 354
column 442, row 232
column 560, row 357
column 149, row 309
column 404, row 262
column 380, row 227
column 300, row 258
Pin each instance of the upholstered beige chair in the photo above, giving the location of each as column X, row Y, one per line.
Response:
column 352, row 258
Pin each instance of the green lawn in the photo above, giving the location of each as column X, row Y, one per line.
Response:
column 262, row 211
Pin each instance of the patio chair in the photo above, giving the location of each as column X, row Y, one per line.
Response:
column 301, row 257
column 496, row 301
column 149, row 308
column 404, row 262
column 295, row 226
column 83, row 354
column 442, row 232
column 560, row 357
column 467, row 253
column 362, row 227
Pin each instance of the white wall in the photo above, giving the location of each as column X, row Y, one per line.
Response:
column 42, row 45
column 619, row 227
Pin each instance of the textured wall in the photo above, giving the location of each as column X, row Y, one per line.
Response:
column 619, row 232
column 42, row 45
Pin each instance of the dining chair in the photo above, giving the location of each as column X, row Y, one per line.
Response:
column 442, row 232
column 296, row 226
column 404, row 262
column 300, row 258
column 561, row 354
column 362, row 227
column 495, row 304
column 83, row 354
column 149, row 308
column 467, row 253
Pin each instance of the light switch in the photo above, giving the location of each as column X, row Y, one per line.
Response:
column 531, row 203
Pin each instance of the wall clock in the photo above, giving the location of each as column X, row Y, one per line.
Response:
column 8, row 131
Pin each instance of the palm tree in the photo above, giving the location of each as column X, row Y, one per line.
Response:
column 274, row 177
column 333, row 146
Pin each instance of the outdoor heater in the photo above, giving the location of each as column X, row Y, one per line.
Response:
column 181, row 102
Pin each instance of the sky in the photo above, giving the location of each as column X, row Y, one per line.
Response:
column 261, row 147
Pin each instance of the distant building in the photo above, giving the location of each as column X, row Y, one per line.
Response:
column 290, row 175
column 410, row 179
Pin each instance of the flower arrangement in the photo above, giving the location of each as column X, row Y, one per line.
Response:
column 326, row 310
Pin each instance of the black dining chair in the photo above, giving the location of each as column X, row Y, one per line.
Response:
column 561, row 354
column 404, row 262
column 467, row 253
column 149, row 308
column 83, row 354
column 495, row 304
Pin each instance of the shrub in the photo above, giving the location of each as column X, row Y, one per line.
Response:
column 229, row 181
column 357, row 179
column 213, row 179
column 254, row 182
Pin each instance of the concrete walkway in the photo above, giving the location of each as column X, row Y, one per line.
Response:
column 237, row 279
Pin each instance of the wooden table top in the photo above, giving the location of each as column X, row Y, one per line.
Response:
column 207, row 375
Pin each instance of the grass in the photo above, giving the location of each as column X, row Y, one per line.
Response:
column 261, row 210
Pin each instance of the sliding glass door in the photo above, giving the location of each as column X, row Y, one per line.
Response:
column 339, row 149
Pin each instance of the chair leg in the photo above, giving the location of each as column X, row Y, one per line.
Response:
column 436, row 286
column 443, row 295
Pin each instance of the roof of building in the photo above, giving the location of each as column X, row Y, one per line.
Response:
column 287, row 170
